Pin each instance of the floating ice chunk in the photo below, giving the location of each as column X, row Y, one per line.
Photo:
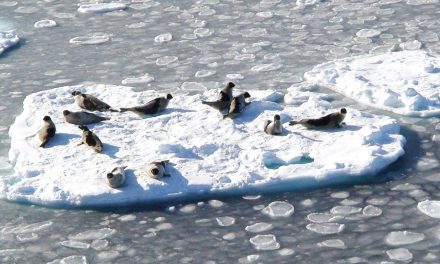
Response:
column 75, row 244
column 189, row 208
column 90, row 40
column 127, row 218
column 422, row 2
column 265, row 242
column 340, row 195
column 399, row 254
column 101, row 7
column 235, row 76
column 266, row 67
column 107, row 255
column 146, row 78
column 286, row 252
column 8, row 40
column 411, row 45
column 164, row 226
column 165, row 60
column 368, row 33
column 251, row 197
column 371, row 211
column 259, row 227
column 99, row 244
column 36, row 227
column 204, row 73
column 249, row 259
column 307, row 2
column 27, row 237
column 321, row 217
column 398, row 238
column 225, row 221
column 278, row 209
column 215, row 203
column 332, row 243
column 75, row 259
column 402, row 82
column 326, row 228
column 229, row 236
column 93, row 234
column 430, row 208
column 345, row 210
column 426, row 163
column 45, row 23
column 166, row 37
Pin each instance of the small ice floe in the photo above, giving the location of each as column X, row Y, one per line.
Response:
column 8, row 40
column 94, row 39
column 166, row 37
column 93, row 234
column 265, row 242
column 278, row 209
column 225, row 221
column 326, row 228
column 75, row 259
column 430, row 208
column 259, row 227
column 398, row 238
column 399, row 254
column 45, row 23
column 332, row 243
column 404, row 82
column 101, row 7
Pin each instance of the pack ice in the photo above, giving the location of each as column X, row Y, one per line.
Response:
column 405, row 82
column 208, row 155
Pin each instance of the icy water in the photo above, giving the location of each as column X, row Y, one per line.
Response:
column 177, row 45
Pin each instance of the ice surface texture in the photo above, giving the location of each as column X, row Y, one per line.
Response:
column 208, row 155
column 8, row 40
column 406, row 82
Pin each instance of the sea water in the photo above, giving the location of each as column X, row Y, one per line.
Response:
column 183, row 46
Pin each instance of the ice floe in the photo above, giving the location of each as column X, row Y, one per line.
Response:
column 45, row 23
column 430, row 208
column 93, row 39
column 8, row 40
column 397, row 238
column 208, row 155
column 405, row 82
column 101, row 7
column 265, row 242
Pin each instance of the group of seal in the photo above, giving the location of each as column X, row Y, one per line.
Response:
column 116, row 177
column 233, row 105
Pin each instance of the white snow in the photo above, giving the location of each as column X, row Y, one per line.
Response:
column 8, row 40
column 101, row 7
column 208, row 155
column 406, row 82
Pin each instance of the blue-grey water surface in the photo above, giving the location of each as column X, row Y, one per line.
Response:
column 374, row 221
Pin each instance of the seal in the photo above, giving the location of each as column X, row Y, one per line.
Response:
column 47, row 131
column 116, row 178
column 275, row 127
column 225, row 98
column 329, row 121
column 82, row 118
column 154, row 106
column 91, row 103
column 157, row 169
column 238, row 105
column 90, row 139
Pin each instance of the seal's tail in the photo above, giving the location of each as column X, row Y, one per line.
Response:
column 292, row 123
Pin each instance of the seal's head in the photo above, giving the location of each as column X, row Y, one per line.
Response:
column 247, row 95
column 66, row 112
column 47, row 118
column 76, row 93
column 277, row 117
column 343, row 111
column 169, row 96
column 155, row 171
column 230, row 85
column 109, row 175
